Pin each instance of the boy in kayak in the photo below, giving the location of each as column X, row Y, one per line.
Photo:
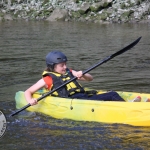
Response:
column 57, row 73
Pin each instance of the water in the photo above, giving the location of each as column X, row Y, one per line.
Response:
column 23, row 46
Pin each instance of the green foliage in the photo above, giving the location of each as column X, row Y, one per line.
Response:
column 122, row 6
column 127, row 14
column 1, row 14
column 46, row 13
column 45, row 2
column 76, row 14
column 103, row 16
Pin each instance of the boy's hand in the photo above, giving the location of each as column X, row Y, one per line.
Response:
column 33, row 101
column 77, row 74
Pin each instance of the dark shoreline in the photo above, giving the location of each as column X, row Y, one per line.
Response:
column 96, row 11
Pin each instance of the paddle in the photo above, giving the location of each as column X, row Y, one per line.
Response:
column 84, row 72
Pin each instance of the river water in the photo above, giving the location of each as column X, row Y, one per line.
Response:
column 23, row 47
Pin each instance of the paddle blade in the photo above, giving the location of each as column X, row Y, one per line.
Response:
column 114, row 55
column 126, row 48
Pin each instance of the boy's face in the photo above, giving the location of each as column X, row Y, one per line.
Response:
column 60, row 68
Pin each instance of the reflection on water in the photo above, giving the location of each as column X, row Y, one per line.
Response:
column 23, row 46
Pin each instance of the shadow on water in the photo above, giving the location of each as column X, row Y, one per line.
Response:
column 23, row 49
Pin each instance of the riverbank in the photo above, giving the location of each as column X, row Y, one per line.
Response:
column 96, row 11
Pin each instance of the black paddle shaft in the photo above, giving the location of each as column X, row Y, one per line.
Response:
column 84, row 72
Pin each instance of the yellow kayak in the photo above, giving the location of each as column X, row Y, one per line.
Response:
column 132, row 113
